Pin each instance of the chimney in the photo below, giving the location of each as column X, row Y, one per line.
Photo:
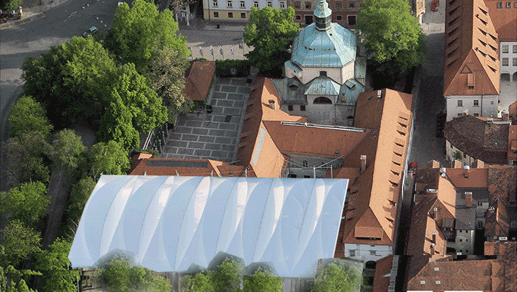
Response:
column 456, row 164
column 466, row 171
column 434, row 236
column 506, row 115
column 272, row 104
column 363, row 163
column 433, row 164
column 478, row 164
column 432, row 248
column 468, row 199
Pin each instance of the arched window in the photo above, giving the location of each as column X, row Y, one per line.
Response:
column 322, row 100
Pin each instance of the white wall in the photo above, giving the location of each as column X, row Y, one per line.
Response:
column 339, row 75
column 450, row 150
column 327, row 114
column 295, row 165
column 363, row 252
column 511, row 68
column 464, row 242
column 487, row 105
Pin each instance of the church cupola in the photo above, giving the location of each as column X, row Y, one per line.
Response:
column 323, row 15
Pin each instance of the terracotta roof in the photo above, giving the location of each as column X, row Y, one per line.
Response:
column 504, row 19
column 439, row 200
column 479, row 139
column 381, row 279
column 477, row 177
column 254, row 135
column 350, row 173
column 502, row 180
column 483, row 275
column 199, row 79
column 291, row 138
column 506, row 253
column 497, row 223
column 186, row 167
column 376, row 191
column 512, row 142
column 471, row 50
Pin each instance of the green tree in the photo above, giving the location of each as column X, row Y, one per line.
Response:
column 199, row 282
column 167, row 78
column 271, row 32
column 70, row 81
column 138, row 31
column 10, row 5
column 120, row 275
column 227, row 276
column 108, row 158
column 68, row 151
column 79, row 195
column 26, row 116
column 391, row 35
column 116, row 125
column 336, row 278
column 16, row 278
column 19, row 242
column 27, row 156
column 53, row 264
column 262, row 281
column 27, row 203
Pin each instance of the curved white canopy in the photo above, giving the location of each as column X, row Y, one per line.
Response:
column 171, row 222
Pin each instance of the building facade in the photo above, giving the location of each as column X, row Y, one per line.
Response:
column 236, row 10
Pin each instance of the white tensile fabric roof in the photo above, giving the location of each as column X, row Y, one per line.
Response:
column 170, row 222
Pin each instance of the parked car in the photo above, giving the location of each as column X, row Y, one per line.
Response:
column 91, row 31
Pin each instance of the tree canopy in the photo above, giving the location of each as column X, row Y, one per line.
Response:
column 68, row 151
column 53, row 264
column 391, row 34
column 271, row 32
column 138, row 32
column 20, row 242
column 338, row 278
column 27, row 203
column 262, row 281
column 26, row 116
column 27, row 154
column 79, row 195
column 167, row 78
column 108, row 158
column 120, row 275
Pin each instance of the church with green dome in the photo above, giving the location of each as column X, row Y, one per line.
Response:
column 324, row 76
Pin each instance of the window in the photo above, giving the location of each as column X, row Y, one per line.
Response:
column 373, row 252
column 351, row 4
column 230, row 14
column 322, row 100
column 243, row 15
column 505, row 62
column 508, row 4
column 229, row 4
column 216, row 14
column 308, row 5
column 282, row 5
column 491, row 102
column 471, row 87
column 506, row 49
column 514, row 46
column 255, row 4
column 476, row 102
column 270, row 4
column 339, row 17
column 352, row 253
column 515, row 4
column 290, row 107
column 298, row 17
column 460, row 102
column 476, row 114
column 338, row 5
column 461, row 240
column 499, row 4
column 305, row 163
column 306, row 176
column 214, row 3
column 243, row 4
column 297, row 4
column 302, row 108
column 514, row 62
column 351, row 20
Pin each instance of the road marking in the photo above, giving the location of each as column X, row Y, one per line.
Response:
column 72, row 14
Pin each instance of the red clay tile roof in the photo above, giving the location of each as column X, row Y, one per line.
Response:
column 482, row 275
column 502, row 180
column 512, row 142
column 198, row 80
column 477, row 178
column 376, row 191
column 471, row 50
column 438, row 202
column 186, row 167
column 381, row 279
column 497, row 223
column 479, row 139
column 504, row 19
column 506, row 253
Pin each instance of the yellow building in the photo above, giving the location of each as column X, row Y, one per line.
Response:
column 236, row 10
